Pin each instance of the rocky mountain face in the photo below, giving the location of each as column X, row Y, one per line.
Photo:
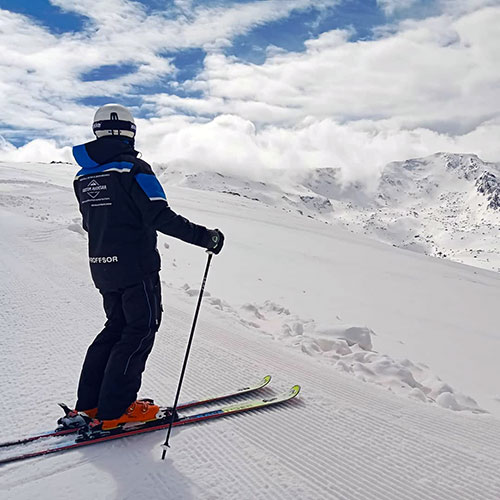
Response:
column 488, row 184
column 444, row 205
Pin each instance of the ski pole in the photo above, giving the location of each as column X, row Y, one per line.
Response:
column 166, row 444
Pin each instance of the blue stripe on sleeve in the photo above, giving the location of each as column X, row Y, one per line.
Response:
column 151, row 186
column 82, row 157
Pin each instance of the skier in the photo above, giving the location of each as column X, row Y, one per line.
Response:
column 123, row 206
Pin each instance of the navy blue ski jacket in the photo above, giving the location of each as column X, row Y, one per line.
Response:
column 123, row 205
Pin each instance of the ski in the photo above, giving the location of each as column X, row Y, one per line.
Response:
column 155, row 425
column 184, row 406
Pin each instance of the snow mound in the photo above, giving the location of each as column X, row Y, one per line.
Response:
column 348, row 348
column 353, row 335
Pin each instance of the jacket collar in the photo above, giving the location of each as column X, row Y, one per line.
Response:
column 101, row 151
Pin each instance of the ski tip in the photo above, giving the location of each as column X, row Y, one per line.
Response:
column 266, row 380
column 294, row 390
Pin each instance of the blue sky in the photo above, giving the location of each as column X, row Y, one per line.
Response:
column 397, row 65
column 53, row 17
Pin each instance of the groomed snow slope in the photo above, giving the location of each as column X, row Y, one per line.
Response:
column 343, row 438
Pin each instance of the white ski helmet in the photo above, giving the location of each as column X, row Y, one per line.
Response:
column 113, row 119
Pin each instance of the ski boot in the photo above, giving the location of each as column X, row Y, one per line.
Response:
column 74, row 419
column 140, row 412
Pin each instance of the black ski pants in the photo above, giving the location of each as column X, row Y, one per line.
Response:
column 112, row 370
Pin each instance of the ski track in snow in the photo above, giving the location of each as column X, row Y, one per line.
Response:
column 340, row 439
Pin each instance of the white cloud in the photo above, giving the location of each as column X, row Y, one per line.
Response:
column 460, row 7
column 230, row 144
column 440, row 73
column 39, row 150
column 391, row 6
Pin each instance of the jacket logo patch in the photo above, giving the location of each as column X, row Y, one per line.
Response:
column 93, row 189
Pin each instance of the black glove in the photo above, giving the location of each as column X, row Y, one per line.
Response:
column 214, row 241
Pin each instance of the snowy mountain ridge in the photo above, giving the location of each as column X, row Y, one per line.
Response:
column 444, row 205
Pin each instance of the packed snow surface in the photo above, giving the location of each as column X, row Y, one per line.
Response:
column 397, row 354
